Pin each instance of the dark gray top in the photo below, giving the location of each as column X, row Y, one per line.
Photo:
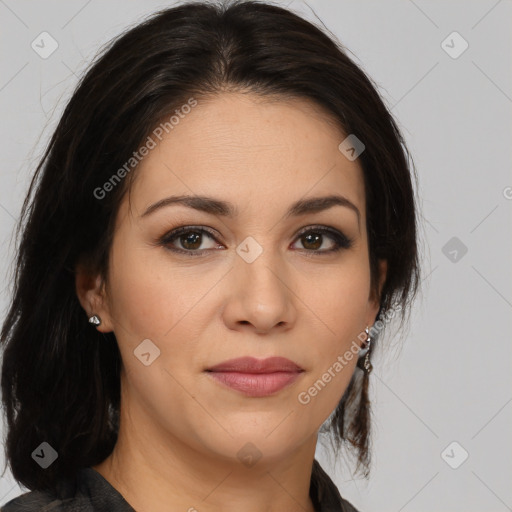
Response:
column 90, row 492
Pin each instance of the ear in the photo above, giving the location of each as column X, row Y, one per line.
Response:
column 374, row 303
column 91, row 293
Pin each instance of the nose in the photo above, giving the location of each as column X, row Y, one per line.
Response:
column 260, row 296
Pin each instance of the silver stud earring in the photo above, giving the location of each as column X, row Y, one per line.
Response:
column 95, row 320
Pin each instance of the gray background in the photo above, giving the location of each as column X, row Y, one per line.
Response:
column 450, row 380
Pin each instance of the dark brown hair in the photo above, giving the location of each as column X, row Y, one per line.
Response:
column 61, row 379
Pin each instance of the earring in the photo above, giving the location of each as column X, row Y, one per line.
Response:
column 366, row 364
column 95, row 320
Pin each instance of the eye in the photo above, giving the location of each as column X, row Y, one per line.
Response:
column 190, row 239
column 313, row 238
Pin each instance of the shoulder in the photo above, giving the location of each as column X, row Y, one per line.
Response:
column 64, row 499
column 347, row 506
column 338, row 504
column 86, row 491
column 42, row 502
column 325, row 494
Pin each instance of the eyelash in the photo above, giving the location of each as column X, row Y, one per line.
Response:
column 341, row 240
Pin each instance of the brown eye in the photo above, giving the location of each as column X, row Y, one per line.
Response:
column 313, row 238
column 192, row 240
column 189, row 239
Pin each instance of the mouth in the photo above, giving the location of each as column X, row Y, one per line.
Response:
column 256, row 378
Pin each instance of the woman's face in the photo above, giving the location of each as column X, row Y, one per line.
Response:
column 253, row 287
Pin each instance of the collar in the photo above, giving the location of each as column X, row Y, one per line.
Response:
column 105, row 498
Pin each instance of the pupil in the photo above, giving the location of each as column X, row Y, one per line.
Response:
column 315, row 243
column 189, row 240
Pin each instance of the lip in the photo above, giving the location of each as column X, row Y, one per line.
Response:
column 253, row 365
column 256, row 377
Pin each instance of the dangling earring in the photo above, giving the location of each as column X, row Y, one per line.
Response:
column 366, row 365
column 95, row 320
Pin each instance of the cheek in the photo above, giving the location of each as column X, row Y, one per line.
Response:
column 338, row 299
column 336, row 312
column 155, row 302
column 149, row 295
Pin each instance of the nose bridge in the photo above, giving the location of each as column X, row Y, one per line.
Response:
column 257, row 264
column 262, row 295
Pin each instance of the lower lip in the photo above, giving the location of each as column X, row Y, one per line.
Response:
column 256, row 384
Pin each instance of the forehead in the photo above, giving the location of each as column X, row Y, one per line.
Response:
column 251, row 150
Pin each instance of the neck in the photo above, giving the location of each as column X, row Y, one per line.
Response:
column 153, row 476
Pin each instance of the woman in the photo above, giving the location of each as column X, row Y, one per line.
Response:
column 222, row 224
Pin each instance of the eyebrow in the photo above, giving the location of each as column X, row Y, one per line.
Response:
column 226, row 209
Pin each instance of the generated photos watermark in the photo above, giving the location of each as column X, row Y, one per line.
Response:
column 133, row 161
column 304, row 397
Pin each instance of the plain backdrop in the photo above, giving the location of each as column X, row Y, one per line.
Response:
column 442, row 408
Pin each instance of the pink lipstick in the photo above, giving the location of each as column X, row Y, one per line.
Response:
column 256, row 377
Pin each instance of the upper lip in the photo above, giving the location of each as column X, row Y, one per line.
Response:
column 253, row 365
